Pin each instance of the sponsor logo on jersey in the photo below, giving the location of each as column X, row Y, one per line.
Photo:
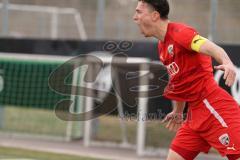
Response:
column 173, row 69
column 224, row 139
column 170, row 50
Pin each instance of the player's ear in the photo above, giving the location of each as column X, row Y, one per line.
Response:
column 155, row 16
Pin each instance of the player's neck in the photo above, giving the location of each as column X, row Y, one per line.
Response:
column 161, row 30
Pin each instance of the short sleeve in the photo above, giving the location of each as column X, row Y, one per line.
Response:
column 185, row 37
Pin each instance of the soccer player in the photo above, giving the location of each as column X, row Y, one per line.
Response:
column 213, row 115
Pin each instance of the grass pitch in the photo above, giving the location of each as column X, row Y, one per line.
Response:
column 22, row 154
column 44, row 122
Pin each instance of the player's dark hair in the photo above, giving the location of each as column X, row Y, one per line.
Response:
column 161, row 6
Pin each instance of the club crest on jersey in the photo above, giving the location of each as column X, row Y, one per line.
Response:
column 224, row 139
column 170, row 49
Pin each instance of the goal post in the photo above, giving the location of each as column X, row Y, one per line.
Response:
column 50, row 18
column 136, row 67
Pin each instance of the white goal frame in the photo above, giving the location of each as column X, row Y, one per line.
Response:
column 54, row 12
column 144, row 64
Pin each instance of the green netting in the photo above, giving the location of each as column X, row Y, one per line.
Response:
column 26, row 84
column 26, row 100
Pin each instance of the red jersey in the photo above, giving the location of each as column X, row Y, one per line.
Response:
column 191, row 73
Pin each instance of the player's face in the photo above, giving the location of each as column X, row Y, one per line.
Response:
column 143, row 18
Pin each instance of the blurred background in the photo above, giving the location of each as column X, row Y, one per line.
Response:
column 38, row 36
column 108, row 19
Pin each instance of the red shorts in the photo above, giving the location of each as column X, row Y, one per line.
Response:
column 212, row 122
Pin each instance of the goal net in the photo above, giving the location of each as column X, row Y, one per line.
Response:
column 27, row 102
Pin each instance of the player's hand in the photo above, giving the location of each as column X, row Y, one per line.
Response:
column 173, row 121
column 229, row 73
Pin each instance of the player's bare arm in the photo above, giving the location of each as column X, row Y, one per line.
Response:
column 207, row 47
column 175, row 118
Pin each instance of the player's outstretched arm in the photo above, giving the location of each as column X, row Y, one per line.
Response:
column 209, row 48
